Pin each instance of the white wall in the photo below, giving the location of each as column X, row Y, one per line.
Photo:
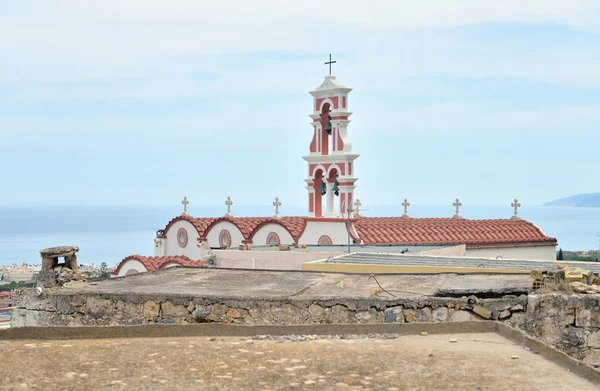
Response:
column 132, row 264
column 171, row 246
column 260, row 238
column 314, row 229
column 213, row 235
column 538, row 253
column 269, row 260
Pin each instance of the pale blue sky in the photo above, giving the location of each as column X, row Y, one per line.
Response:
column 134, row 103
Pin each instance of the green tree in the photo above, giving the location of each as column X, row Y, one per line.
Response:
column 560, row 255
column 104, row 270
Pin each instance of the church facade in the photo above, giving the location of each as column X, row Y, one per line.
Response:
column 333, row 212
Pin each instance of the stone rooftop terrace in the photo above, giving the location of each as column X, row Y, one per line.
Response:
column 271, row 285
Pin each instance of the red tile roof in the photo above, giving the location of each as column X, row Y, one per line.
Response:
column 398, row 230
column 155, row 263
column 447, row 231
column 247, row 225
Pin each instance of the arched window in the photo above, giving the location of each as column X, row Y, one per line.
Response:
column 273, row 239
column 225, row 238
column 325, row 240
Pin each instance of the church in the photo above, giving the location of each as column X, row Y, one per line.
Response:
column 333, row 223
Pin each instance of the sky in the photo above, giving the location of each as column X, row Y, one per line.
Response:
column 143, row 102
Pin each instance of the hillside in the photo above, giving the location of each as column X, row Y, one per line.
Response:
column 582, row 200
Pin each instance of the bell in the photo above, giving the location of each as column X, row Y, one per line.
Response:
column 335, row 188
column 328, row 125
column 323, row 188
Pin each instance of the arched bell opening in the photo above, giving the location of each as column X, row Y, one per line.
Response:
column 326, row 128
column 320, row 189
column 333, row 193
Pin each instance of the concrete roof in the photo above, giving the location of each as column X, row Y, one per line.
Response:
column 291, row 285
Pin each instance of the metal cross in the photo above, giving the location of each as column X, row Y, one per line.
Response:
column 276, row 204
column 185, row 203
column 228, row 202
column 405, row 204
column 329, row 63
column 516, row 205
column 457, row 204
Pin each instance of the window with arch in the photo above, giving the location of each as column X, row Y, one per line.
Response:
column 273, row 239
column 325, row 240
column 224, row 238
column 182, row 237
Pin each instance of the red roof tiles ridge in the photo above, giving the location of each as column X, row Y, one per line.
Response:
column 158, row 262
column 396, row 230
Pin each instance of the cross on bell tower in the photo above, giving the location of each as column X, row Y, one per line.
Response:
column 330, row 161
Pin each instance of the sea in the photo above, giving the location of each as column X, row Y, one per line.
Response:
column 109, row 233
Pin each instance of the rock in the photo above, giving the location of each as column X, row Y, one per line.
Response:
column 394, row 315
column 460, row 316
column 504, row 314
column 219, row 309
column 495, row 314
column 233, row 313
column 482, row 311
column 173, row 310
column 316, row 311
column 472, row 299
column 409, row 315
column 213, row 318
column 339, row 314
column 517, row 307
column 98, row 307
column 440, row 314
column 191, row 306
column 201, row 312
column 580, row 287
column 593, row 340
column 423, row 315
column 363, row 315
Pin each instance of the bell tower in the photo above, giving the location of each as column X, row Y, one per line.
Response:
column 331, row 180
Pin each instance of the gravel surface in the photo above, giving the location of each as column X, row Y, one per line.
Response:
column 478, row 361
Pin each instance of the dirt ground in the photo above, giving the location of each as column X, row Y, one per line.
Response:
column 481, row 361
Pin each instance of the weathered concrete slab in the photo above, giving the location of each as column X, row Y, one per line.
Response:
column 270, row 285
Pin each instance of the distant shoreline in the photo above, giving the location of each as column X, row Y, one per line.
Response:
column 590, row 200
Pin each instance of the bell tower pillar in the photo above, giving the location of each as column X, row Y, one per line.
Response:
column 331, row 181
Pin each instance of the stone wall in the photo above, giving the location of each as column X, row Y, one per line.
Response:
column 77, row 310
column 571, row 323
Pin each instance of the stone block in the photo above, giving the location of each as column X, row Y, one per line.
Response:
column 517, row 307
column 504, row 314
column 409, row 315
column 593, row 340
column 423, row 315
column 460, row 316
column 592, row 358
column 587, row 315
column 339, row 314
column 316, row 311
column 201, row 312
column 99, row 307
column 151, row 309
column 232, row 313
column 171, row 310
column 219, row 309
column 394, row 315
column 482, row 311
column 440, row 314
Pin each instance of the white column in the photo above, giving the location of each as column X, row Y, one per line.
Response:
column 330, row 200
